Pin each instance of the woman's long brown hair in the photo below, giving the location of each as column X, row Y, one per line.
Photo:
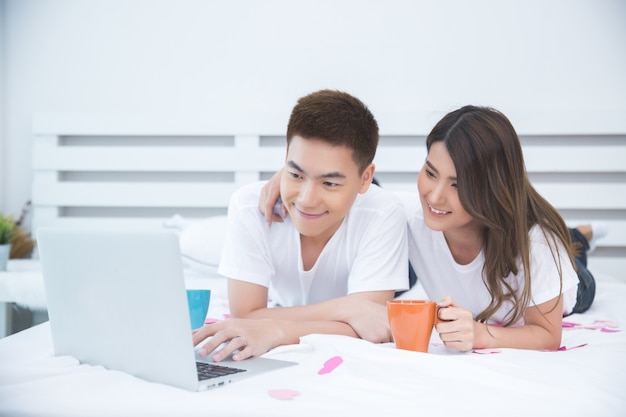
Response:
column 494, row 188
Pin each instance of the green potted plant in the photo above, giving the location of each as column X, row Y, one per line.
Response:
column 7, row 231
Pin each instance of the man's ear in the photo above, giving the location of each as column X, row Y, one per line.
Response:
column 366, row 178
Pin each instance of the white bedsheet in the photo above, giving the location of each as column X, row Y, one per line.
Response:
column 373, row 378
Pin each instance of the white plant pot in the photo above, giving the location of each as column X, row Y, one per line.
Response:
column 5, row 250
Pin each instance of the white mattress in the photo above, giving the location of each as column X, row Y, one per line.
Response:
column 587, row 378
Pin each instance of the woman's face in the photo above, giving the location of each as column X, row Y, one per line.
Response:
column 438, row 192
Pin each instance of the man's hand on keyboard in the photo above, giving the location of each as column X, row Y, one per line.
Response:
column 243, row 337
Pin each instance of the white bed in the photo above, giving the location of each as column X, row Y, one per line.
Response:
column 373, row 379
column 102, row 171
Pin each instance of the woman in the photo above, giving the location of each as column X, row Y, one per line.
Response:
column 485, row 243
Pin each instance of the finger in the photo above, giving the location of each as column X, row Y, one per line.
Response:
column 452, row 334
column 450, row 313
column 461, row 345
column 222, row 353
column 200, row 334
column 242, row 354
column 269, row 213
column 445, row 327
column 236, row 343
column 208, row 347
column 266, row 209
column 276, row 218
column 278, row 210
column 446, row 313
column 446, row 301
column 211, row 344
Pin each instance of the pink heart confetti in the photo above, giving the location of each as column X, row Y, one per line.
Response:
column 606, row 326
column 592, row 327
column 486, row 351
column 562, row 348
column 330, row 365
column 283, row 394
column 210, row 320
column 607, row 330
column 608, row 323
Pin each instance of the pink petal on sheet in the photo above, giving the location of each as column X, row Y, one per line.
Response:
column 210, row 320
column 486, row 351
column 562, row 348
column 569, row 324
column 592, row 327
column 330, row 365
column 283, row 394
column 608, row 323
column 607, row 330
column 226, row 315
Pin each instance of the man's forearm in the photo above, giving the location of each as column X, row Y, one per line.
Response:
column 331, row 310
column 293, row 330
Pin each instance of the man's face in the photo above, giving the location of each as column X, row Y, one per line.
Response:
column 319, row 184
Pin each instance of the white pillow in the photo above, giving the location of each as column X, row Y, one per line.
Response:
column 201, row 241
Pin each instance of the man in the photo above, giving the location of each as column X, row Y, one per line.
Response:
column 340, row 252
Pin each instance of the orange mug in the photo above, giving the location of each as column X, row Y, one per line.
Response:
column 411, row 323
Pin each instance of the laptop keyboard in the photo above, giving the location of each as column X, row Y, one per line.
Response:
column 211, row 370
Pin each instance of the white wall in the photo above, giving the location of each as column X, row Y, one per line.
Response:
column 3, row 169
column 552, row 66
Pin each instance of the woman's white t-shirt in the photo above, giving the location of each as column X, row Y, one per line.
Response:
column 441, row 275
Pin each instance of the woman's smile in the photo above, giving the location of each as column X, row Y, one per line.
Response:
column 438, row 212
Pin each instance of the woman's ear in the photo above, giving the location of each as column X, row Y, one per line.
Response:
column 366, row 178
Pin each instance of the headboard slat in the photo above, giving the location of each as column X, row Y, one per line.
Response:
column 134, row 172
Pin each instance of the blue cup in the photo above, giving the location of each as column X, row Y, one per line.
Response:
column 198, row 301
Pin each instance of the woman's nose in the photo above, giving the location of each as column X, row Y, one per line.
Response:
column 436, row 194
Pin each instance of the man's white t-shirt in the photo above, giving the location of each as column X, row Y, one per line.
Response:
column 441, row 275
column 367, row 253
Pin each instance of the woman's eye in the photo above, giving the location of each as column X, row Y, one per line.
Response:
column 294, row 175
column 430, row 174
column 454, row 185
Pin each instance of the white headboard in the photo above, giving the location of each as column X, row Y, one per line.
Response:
column 137, row 172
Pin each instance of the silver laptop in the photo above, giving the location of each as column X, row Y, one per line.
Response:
column 117, row 298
